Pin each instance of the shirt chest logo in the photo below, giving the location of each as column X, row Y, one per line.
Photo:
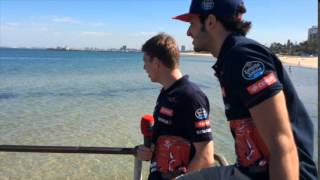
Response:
column 166, row 111
column 252, row 70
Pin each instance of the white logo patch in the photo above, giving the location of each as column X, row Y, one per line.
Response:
column 252, row 70
column 201, row 114
column 207, row 5
column 203, row 131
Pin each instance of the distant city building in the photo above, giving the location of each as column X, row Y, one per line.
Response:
column 313, row 34
column 183, row 48
column 123, row 48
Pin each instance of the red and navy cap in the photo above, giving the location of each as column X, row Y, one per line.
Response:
column 220, row 8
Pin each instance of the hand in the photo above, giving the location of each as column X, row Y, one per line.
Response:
column 144, row 153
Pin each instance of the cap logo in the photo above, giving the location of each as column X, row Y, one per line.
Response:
column 207, row 4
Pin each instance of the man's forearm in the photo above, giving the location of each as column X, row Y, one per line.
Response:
column 284, row 165
column 272, row 121
column 203, row 157
column 199, row 162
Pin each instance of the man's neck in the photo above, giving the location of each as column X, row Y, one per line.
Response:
column 219, row 39
column 170, row 78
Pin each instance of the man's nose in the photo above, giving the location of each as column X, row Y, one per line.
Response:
column 189, row 32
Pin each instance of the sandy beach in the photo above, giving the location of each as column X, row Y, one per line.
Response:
column 310, row 62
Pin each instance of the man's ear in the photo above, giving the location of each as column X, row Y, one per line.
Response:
column 157, row 61
column 211, row 21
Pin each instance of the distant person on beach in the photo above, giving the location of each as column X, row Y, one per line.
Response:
column 182, row 136
column 272, row 130
column 290, row 70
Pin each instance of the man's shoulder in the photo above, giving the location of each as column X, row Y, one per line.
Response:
column 244, row 46
column 189, row 91
column 194, row 93
column 245, row 50
column 242, row 40
column 191, row 88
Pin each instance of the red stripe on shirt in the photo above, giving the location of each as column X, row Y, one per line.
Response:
column 202, row 124
column 263, row 83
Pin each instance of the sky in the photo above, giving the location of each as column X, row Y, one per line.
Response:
column 114, row 23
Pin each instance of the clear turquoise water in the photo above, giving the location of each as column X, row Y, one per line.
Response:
column 96, row 99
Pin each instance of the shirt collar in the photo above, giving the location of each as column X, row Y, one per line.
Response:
column 182, row 80
column 227, row 44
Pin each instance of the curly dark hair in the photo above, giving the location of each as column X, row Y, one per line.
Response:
column 234, row 24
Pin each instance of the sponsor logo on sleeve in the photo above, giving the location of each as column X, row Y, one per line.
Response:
column 263, row 83
column 166, row 111
column 252, row 70
column 202, row 124
column 203, row 131
column 201, row 114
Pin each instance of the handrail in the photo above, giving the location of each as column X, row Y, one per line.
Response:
column 91, row 150
column 68, row 149
column 79, row 149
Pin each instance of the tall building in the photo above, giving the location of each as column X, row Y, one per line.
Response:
column 313, row 34
column 183, row 48
column 123, row 48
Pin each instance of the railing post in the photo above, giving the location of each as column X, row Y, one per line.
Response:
column 221, row 160
column 137, row 169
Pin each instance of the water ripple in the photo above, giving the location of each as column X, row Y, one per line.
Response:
column 7, row 95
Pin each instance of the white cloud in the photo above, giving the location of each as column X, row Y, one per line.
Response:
column 139, row 34
column 64, row 19
column 95, row 33
column 11, row 25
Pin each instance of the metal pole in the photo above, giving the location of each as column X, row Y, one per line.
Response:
column 137, row 169
column 68, row 149
column 221, row 160
column 78, row 149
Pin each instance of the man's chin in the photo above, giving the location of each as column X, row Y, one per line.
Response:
column 152, row 80
column 197, row 49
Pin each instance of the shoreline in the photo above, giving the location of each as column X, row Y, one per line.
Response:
column 299, row 61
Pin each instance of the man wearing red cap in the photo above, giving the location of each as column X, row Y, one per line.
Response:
column 272, row 131
column 182, row 132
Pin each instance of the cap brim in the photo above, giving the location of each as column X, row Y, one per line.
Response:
column 184, row 17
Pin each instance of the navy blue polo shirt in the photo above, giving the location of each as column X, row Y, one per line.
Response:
column 182, row 110
column 249, row 74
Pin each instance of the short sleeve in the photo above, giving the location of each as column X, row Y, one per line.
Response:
column 199, row 126
column 253, row 75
